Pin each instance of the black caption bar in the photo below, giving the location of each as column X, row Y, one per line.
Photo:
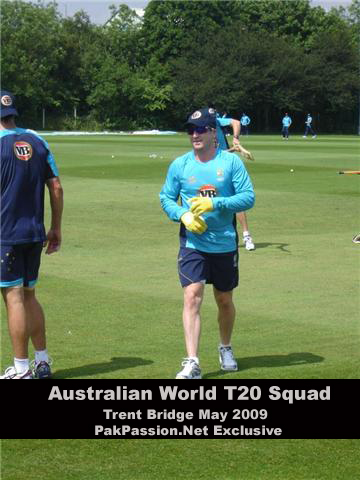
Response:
column 159, row 409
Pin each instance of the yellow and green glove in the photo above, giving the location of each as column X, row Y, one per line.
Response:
column 201, row 205
column 193, row 223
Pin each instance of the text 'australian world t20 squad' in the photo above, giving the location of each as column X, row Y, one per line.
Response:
column 172, row 393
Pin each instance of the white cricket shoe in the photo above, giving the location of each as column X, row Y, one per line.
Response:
column 314, row 136
column 41, row 370
column 191, row 370
column 248, row 242
column 12, row 374
column 356, row 239
column 227, row 359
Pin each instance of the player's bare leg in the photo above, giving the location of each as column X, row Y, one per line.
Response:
column 35, row 318
column 193, row 297
column 242, row 218
column 18, row 329
column 36, row 324
column 19, row 334
column 226, row 315
column 226, row 320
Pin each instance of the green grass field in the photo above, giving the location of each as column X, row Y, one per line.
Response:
column 112, row 297
column 180, row 459
column 113, row 302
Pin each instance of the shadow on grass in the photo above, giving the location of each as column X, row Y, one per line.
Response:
column 270, row 361
column 116, row 363
column 280, row 246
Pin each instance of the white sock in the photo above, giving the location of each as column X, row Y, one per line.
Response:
column 246, row 234
column 196, row 359
column 21, row 365
column 41, row 356
column 222, row 345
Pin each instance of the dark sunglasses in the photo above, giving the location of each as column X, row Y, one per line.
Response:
column 200, row 130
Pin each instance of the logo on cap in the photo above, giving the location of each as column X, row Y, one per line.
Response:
column 6, row 100
column 23, row 151
column 196, row 115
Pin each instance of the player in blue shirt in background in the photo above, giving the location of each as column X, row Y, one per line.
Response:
column 286, row 122
column 27, row 165
column 245, row 122
column 308, row 127
column 221, row 124
column 212, row 186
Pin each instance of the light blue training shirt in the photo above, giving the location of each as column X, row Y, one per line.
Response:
column 225, row 180
column 286, row 121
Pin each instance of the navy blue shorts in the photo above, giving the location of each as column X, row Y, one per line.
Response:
column 219, row 269
column 20, row 264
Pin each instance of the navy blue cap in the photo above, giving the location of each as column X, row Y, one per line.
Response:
column 205, row 117
column 7, row 104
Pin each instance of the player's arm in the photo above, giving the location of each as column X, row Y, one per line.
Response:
column 169, row 194
column 57, row 205
column 244, row 197
column 236, row 126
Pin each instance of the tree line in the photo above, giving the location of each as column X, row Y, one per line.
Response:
column 262, row 57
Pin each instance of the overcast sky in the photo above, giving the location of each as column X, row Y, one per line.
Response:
column 98, row 10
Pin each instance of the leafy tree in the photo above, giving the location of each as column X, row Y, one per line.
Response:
column 295, row 20
column 267, row 72
column 170, row 27
column 354, row 15
column 336, row 60
column 77, row 36
column 262, row 56
column 351, row 15
column 122, row 36
column 123, row 88
column 31, row 52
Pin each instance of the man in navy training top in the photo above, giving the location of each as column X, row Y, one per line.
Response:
column 27, row 165
column 213, row 185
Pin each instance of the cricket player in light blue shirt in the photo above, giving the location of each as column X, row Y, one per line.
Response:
column 308, row 127
column 212, row 185
column 286, row 122
column 245, row 122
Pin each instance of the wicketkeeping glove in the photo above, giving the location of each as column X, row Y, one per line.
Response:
column 201, row 205
column 193, row 223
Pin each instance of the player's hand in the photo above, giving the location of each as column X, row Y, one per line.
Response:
column 201, row 205
column 245, row 153
column 53, row 241
column 193, row 223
